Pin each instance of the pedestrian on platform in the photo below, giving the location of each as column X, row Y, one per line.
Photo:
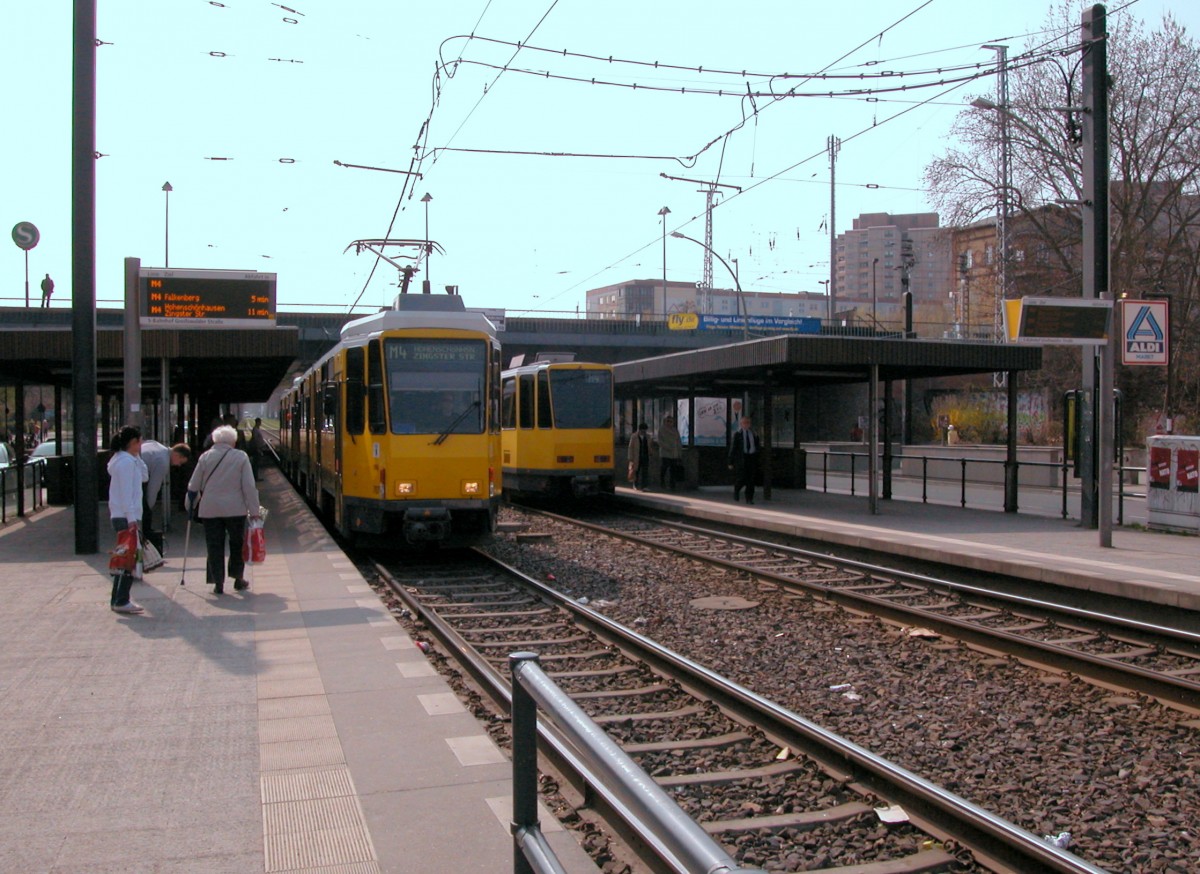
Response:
column 670, row 454
column 258, row 448
column 743, row 460
column 212, row 427
column 639, row 457
column 127, row 472
column 158, row 459
column 223, row 486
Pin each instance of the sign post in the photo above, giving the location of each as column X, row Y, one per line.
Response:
column 26, row 236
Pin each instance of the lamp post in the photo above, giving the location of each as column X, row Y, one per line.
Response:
column 736, row 283
column 167, row 189
column 664, row 212
column 874, row 274
column 425, row 285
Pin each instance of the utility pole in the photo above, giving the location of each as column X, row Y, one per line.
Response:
column 1003, row 203
column 1096, row 461
column 704, row 305
column 834, row 145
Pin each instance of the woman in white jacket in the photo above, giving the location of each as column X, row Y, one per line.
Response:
column 223, row 483
column 126, row 472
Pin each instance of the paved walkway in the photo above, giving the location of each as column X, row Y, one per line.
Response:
column 292, row 728
column 1145, row 565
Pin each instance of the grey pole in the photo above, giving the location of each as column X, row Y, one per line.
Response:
column 83, row 277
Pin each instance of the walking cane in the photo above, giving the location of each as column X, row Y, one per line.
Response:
column 187, row 539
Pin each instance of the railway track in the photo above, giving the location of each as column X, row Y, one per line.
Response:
column 776, row 790
column 1152, row 660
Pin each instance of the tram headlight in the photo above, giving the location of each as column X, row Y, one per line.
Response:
column 470, row 487
column 405, row 488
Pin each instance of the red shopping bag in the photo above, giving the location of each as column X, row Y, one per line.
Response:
column 124, row 555
column 255, row 547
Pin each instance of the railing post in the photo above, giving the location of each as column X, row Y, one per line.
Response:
column 924, row 479
column 963, row 497
column 1064, row 486
column 852, row 458
column 825, row 471
column 524, row 762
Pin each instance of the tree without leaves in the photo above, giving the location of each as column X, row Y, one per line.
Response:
column 1154, row 119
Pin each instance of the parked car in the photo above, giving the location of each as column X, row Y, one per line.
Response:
column 45, row 449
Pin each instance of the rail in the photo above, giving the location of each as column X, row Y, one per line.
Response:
column 681, row 835
column 1063, row 467
column 32, row 485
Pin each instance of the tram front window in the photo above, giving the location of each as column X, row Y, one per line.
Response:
column 582, row 398
column 436, row 386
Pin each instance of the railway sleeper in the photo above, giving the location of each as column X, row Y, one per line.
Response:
column 528, row 643
column 503, row 614
column 801, row 819
column 775, row 769
column 599, row 672
column 507, row 629
column 679, row 713
column 621, row 693
column 585, row 654
column 515, row 602
column 699, row 743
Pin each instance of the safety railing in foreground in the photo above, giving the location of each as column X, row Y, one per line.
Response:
column 681, row 836
column 858, row 464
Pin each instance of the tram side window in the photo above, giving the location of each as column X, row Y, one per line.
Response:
column 355, row 397
column 376, row 396
column 329, row 406
column 525, row 401
column 544, row 419
column 508, row 404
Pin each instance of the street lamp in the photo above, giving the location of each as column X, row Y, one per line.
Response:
column 167, row 189
column 737, row 284
column 664, row 212
column 425, row 286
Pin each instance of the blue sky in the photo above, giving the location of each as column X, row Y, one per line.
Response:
column 280, row 91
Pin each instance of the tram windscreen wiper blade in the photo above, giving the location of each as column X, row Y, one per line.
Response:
column 441, row 438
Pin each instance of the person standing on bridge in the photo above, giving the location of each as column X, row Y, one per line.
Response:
column 223, row 485
column 47, row 290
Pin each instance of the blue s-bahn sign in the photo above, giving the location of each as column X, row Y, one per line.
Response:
column 1144, row 335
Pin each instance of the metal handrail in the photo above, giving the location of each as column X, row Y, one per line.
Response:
column 1064, row 467
column 682, row 836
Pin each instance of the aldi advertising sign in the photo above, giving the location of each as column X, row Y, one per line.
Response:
column 1144, row 332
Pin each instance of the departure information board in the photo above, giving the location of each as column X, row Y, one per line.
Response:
column 1058, row 321
column 206, row 298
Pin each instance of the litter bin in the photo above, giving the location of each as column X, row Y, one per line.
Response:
column 60, row 480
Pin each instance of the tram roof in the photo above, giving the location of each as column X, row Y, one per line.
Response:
column 797, row 360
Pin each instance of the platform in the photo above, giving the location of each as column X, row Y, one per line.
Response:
column 1148, row 566
column 292, row 728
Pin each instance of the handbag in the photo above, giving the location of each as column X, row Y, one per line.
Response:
column 254, row 549
column 151, row 557
column 124, row 555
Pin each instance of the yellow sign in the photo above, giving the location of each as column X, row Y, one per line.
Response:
column 683, row 321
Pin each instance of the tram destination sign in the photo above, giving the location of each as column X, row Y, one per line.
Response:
column 206, row 298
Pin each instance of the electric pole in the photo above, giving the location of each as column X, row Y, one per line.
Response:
column 704, row 305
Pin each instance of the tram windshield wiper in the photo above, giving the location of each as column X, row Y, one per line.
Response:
column 441, row 438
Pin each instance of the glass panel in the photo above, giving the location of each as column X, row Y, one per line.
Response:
column 355, row 410
column 525, row 401
column 543, row 404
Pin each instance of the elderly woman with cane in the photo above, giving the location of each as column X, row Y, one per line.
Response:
column 221, row 493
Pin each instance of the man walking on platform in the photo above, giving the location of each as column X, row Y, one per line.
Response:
column 743, row 460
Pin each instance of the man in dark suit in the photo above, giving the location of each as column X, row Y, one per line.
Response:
column 743, row 460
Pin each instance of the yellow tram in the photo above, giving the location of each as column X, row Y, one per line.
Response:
column 556, row 425
column 394, row 435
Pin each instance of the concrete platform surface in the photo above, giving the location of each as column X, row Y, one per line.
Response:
column 1150, row 566
column 292, row 728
